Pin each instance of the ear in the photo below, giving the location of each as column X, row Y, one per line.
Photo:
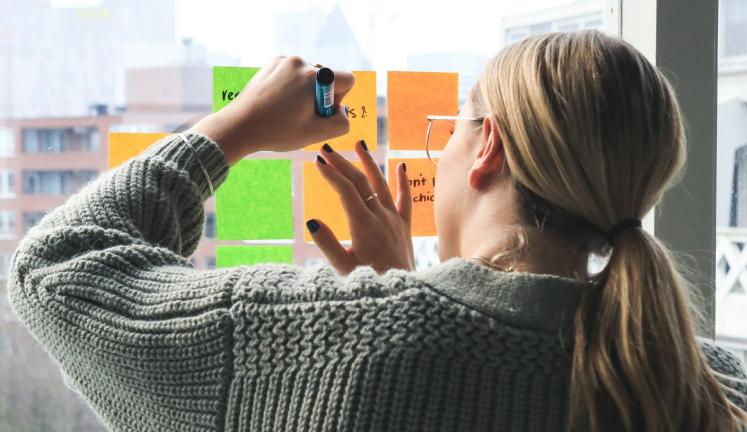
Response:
column 490, row 156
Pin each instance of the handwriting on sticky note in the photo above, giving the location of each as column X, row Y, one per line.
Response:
column 411, row 97
column 125, row 145
column 236, row 255
column 254, row 203
column 320, row 201
column 228, row 81
column 421, row 174
column 361, row 100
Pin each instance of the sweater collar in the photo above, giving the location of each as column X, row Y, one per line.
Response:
column 538, row 301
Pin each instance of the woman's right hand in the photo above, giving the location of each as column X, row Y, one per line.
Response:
column 276, row 111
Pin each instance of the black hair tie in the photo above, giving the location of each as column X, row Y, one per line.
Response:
column 622, row 226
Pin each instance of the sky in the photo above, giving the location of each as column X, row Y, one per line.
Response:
column 424, row 26
column 242, row 28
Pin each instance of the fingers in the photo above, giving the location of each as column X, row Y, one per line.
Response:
column 335, row 253
column 344, row 81
column 404, row 197
column 354, row 175
column 374, row 175
column 351, row 199
column 334, row 126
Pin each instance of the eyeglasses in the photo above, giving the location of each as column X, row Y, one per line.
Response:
column 440, row 128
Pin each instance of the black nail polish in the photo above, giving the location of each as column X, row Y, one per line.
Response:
column 363, row 144
column 404, row 167
column 321, row 160
column 326, row 147
column 312, row 225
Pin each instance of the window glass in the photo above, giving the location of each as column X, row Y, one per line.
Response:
column 71, row 71
column 7, row 142
column 731, row 191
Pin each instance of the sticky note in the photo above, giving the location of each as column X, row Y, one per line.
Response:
column 232, row 256
column 254, row 203
column 321, row 201
column 228, row 81
column 421, row 174
column 361, row 100
column 411, row 97
column 125, row 145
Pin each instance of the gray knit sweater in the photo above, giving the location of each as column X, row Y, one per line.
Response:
column 152, row 344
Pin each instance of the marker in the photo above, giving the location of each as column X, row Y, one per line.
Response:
column 325, row 92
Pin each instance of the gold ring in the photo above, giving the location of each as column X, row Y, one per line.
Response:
column 317, row 65
column 373, row 195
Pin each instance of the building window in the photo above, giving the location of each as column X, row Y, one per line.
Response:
column 59, row 140
column 5, row 265
column 738, row 213
column 30, row 219
column 7, row 142
column 209, row 262
column 7, row 224
column 209, row 229
column 56, row 182
column 7, row 184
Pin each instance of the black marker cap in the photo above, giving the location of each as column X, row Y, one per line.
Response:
column 325, row 76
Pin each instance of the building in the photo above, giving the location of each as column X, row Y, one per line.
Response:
column 79, row 55
column 731, row 159
column 581, row 14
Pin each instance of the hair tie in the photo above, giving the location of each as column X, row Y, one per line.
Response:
column 622, row 226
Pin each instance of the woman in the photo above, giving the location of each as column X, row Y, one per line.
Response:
column 566, row 142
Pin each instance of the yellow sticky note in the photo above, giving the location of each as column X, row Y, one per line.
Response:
column 321, row 202
column 421, row 174
column 363, row 117
column 125, row 145
column 411, row 97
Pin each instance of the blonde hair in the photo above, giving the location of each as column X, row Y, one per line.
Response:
column 593, row 135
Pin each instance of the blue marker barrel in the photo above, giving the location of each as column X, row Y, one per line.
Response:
column 325, row 92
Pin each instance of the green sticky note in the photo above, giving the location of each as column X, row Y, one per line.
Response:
column 228, row 81
column 254, row 203
column 232, row 256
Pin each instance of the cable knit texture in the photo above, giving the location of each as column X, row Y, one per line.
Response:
column 104, row 284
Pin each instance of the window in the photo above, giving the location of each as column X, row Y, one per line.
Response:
column 5, row 257
column 7, row 186
column 59, row 140
column 7, row 142
column 574, row 17
column 30, row 219
column 731, row 178
column 209, row 262
column 734, row 28
column 71, row 86
column 209, row 229
column 7, row 224
column 55, row 182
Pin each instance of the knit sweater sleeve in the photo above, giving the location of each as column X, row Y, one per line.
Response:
column 730, row 367
column 103, row 283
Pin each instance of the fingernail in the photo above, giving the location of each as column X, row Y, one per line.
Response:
column 321, row 160
column 404, row 167
column 363, row 144
column 312, row 225
column 327, row 148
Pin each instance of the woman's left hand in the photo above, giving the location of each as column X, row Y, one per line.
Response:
column 380, row 229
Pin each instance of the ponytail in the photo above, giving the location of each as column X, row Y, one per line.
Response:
column 636, row 362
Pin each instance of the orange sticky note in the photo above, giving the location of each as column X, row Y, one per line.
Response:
column 363, row 117
column 421, row 174
column 321, row 201
column 411, row 97
column 125, row 145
